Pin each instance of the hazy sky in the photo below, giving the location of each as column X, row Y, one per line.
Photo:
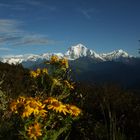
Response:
column 40, row 26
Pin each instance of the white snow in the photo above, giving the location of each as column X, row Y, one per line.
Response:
column 80, row 50
column 73, row 53
column 115, row 55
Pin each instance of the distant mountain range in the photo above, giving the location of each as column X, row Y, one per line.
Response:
column 88, row 66
column 73, row 53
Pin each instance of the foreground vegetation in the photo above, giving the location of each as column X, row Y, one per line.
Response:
column 47, row 104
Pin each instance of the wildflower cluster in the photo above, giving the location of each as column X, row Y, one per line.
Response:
column 54, row 59
column 63, row 62
column 63, row 83
column 58, row 106
column 38, row 72
column 28, row 106
column 51, row 113
column 33, row 109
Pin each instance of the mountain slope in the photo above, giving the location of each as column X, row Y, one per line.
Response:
column 126, row 75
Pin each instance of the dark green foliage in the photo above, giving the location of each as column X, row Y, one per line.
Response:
column 109, row 113
column 16, row 79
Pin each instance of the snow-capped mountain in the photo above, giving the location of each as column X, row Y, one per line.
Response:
column 80, row 50
column 17, row 59
column 77, row 51
column 73, row 53
column 119, row 54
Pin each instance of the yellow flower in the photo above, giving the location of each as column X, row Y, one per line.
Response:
column 27, row 111
column 21, row 99
column 38, row 71
column 13, row 106
column 54, row 59
column 73, row 110
column 17, row 105
column 42, row 113
column 58, row 107
column 44, row 71
column 34, row 131
column 28, row 106
column 33, row 74
column 64, row 62
column 37, row 107
column 50, row 100
column 32, row 103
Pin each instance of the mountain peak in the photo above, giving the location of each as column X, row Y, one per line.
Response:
column 120, row 53
column 80, row 45
column 81, row 50
column 114, row 55
column 78, row 48
column 77, row 51
column 120, row 50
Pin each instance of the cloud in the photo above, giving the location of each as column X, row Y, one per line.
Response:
column 33, row 40
column 12, row 34
column 4, row 49
column 8, row 38
column 8, row 26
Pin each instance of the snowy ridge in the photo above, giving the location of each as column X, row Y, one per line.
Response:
column 73, row 53
column 80, row 50
column 17, row 59
column 115, row 55
column 77, row 51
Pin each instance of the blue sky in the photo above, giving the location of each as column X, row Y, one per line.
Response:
column 40, row 26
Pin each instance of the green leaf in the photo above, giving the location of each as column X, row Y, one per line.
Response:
column 54, row 134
